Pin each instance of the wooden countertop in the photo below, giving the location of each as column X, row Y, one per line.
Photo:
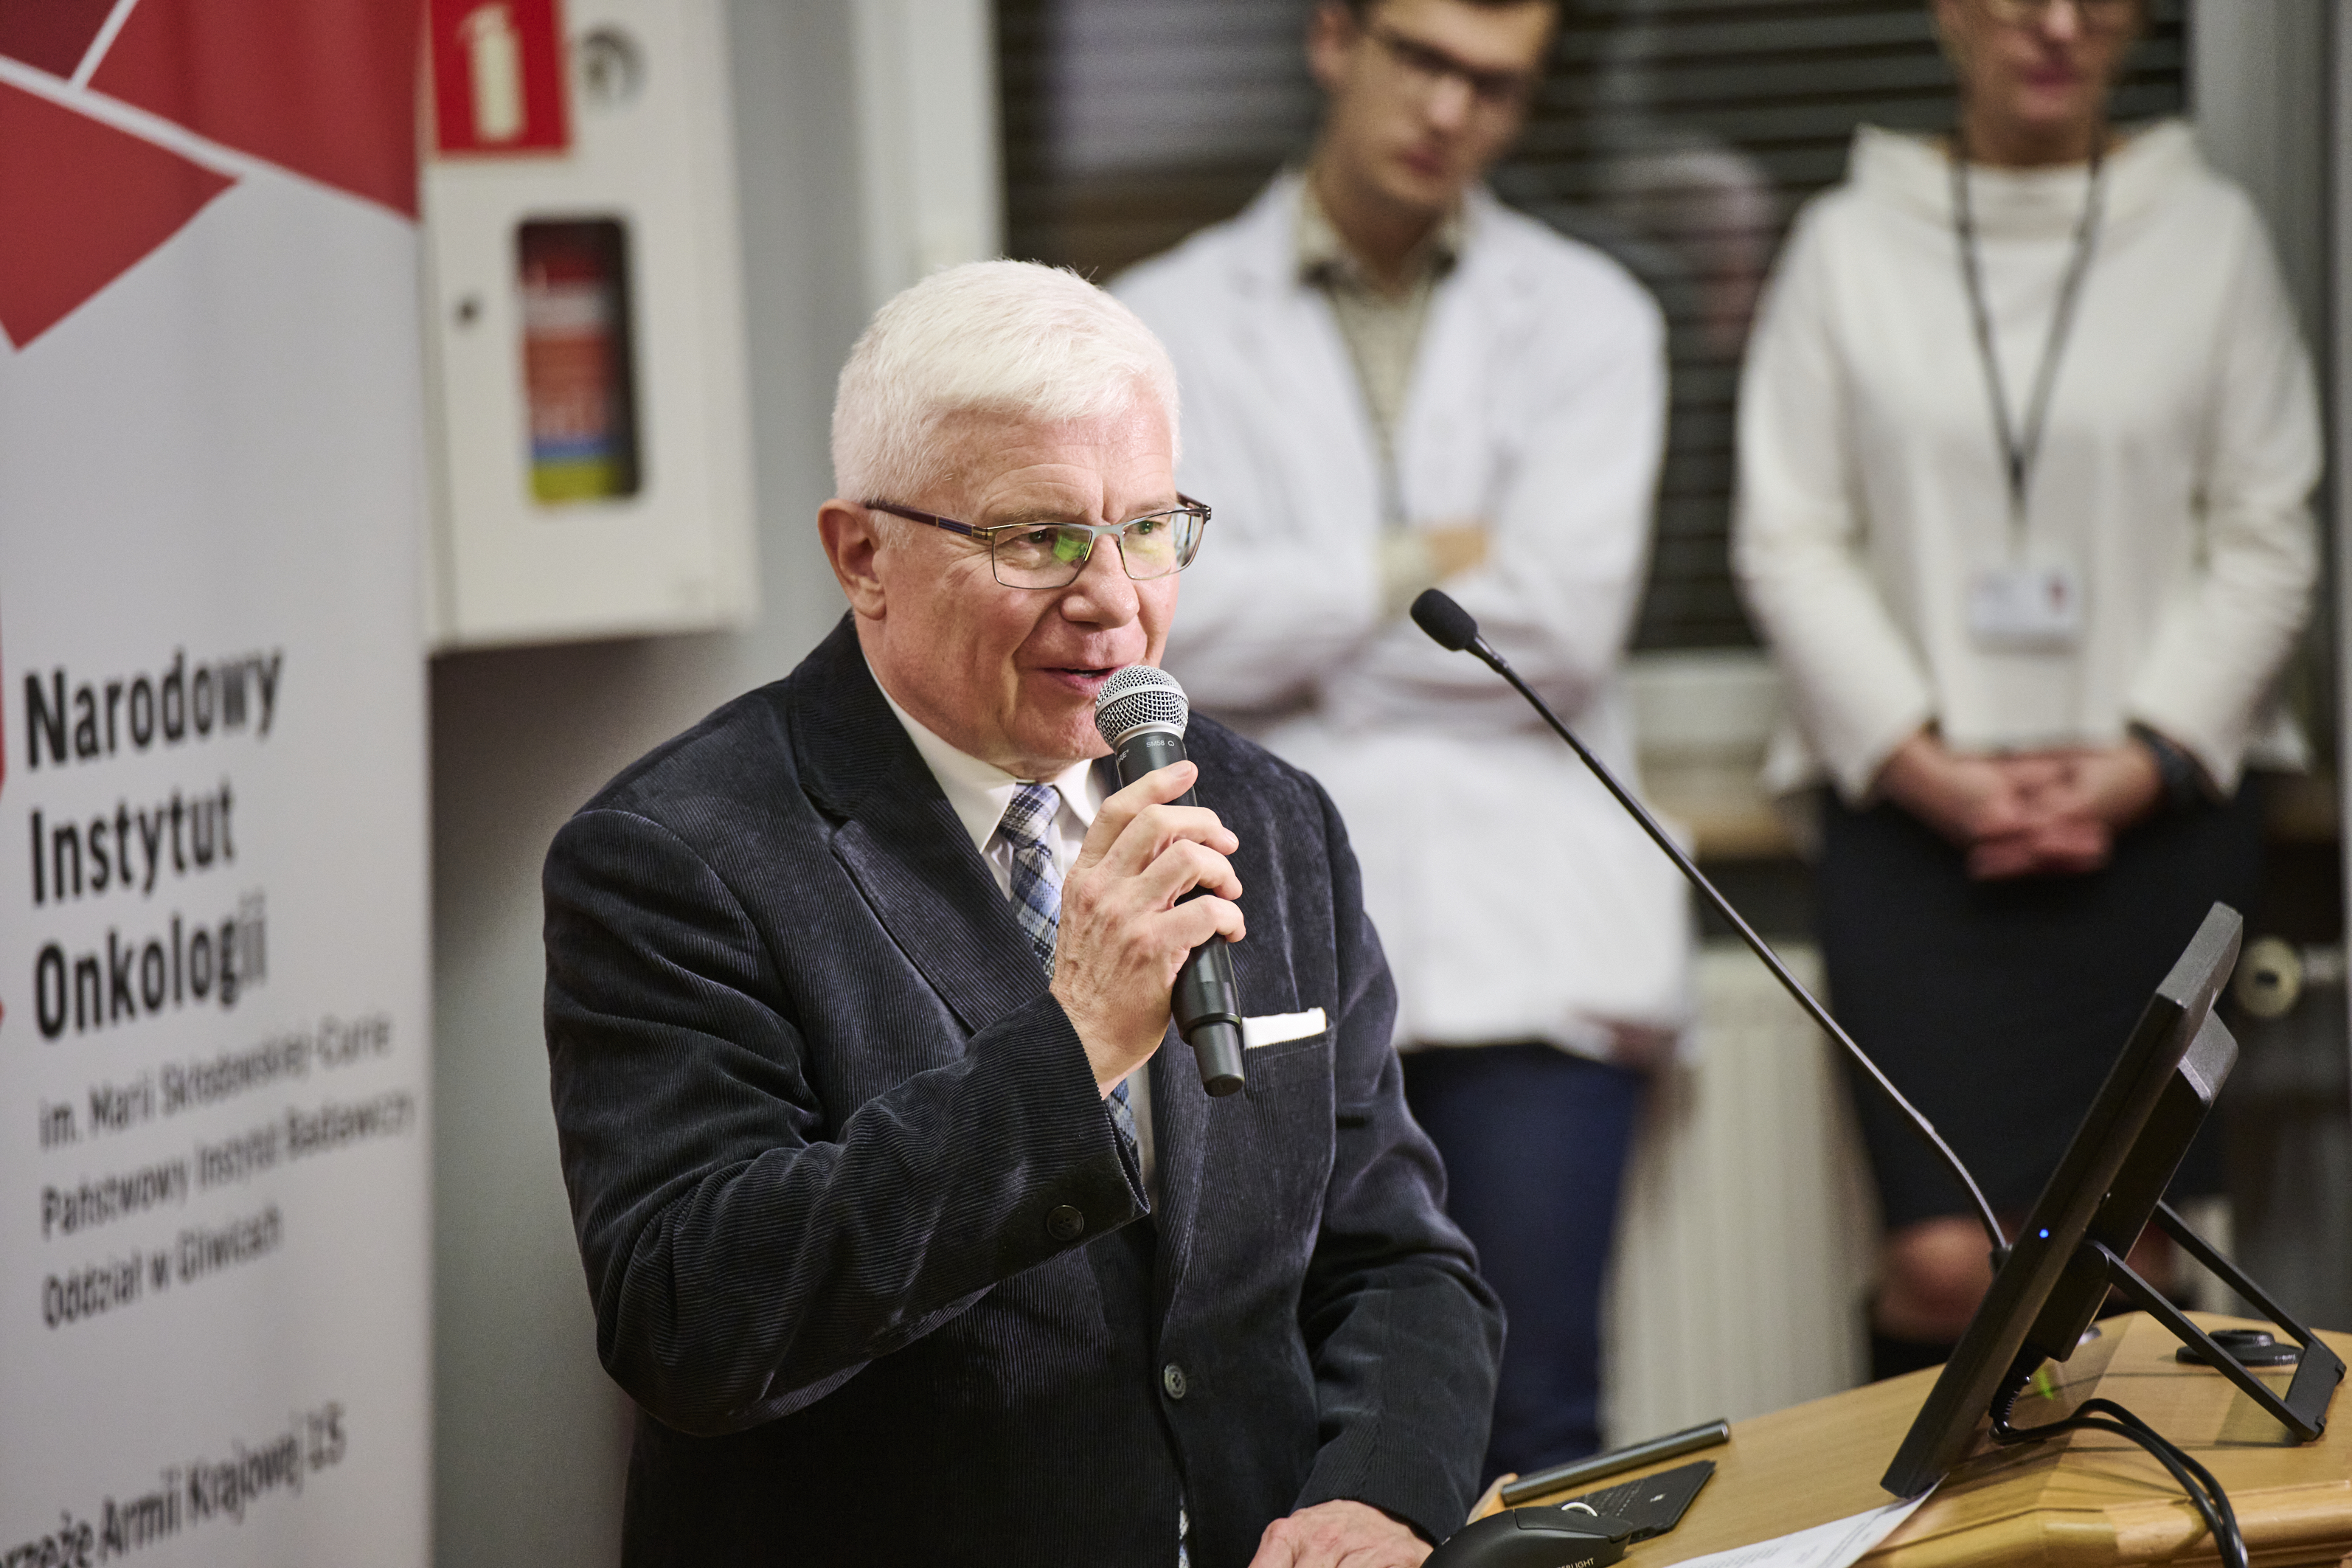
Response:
column 2087, row 1498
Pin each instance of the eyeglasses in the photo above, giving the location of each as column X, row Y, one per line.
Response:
column 2096, row 15
column 1051, row 554
column 1425, row 66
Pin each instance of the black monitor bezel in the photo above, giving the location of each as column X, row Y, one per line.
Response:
column 2043, row 1283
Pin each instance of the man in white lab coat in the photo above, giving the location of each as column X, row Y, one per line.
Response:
column 1390, row 381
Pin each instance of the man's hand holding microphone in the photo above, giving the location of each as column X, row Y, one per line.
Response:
column 1127, row 927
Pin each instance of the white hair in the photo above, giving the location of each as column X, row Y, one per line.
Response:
column 990, row 337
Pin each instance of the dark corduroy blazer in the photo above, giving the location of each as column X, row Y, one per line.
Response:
column 823, row 1129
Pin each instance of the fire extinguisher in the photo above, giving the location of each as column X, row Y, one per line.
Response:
column 577, row 373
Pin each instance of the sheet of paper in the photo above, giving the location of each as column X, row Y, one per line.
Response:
column 1836, row 1544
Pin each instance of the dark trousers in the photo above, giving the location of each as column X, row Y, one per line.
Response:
column 1534, row 1143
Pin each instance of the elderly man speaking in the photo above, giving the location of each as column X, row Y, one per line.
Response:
column 908, row 1236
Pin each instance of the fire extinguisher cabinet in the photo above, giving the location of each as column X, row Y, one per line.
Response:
column 584, row 347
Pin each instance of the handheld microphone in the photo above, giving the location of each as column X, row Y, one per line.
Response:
column 1142, row 712
column 1454, row 628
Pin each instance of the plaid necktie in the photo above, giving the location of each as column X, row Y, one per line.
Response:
column 1037, row 894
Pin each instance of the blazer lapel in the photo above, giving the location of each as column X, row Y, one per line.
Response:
column 1180, row 1126
column 901, row 842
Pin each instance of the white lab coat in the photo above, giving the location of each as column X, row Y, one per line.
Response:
column 1516, row 900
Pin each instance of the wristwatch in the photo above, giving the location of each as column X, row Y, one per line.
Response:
column 2175, row 770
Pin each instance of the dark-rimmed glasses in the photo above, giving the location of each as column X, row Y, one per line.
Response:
column 2096, row 15
column 1425, row 66
column 1051, row 554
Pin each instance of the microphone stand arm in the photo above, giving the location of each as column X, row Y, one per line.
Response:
column 1756, row 945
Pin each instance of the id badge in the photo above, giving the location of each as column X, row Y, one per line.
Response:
column 2025, row 609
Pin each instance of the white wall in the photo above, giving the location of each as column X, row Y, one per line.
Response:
column 532, row 1437
column 929, row 167
column 2258, row 87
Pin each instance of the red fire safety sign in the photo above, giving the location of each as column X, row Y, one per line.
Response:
column 498, row 77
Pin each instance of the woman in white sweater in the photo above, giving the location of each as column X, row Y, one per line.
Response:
column 2027, row 438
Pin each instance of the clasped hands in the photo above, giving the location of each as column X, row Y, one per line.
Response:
column 2027, row 814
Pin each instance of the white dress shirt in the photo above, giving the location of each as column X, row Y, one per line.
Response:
column 977, row 793
column 2174, row 475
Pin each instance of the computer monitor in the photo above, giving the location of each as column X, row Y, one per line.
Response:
column 2106, row 1188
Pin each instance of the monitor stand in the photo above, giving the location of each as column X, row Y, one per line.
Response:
column 2304, row 1411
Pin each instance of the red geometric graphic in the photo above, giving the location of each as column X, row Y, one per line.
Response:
column 325, row 88
column 81, row 204
column 50, row 35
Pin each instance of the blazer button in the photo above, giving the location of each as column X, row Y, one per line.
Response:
column 1065, row 1223
column 1171, row 1378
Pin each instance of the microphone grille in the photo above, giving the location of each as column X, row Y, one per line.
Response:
column 1449, row 626
column 1138, row 696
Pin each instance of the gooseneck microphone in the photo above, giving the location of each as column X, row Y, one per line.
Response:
column 1454, row 628
column 1142, row 712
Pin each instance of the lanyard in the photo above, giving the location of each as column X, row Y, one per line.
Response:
column 2019, row 449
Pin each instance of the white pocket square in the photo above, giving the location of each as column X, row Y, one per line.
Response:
column 1276, row 1029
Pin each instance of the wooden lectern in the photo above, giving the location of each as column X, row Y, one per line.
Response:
column 2087, row 1498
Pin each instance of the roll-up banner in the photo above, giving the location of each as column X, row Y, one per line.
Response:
column 214, row 1245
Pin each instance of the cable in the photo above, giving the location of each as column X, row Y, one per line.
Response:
column 2204, row 1492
